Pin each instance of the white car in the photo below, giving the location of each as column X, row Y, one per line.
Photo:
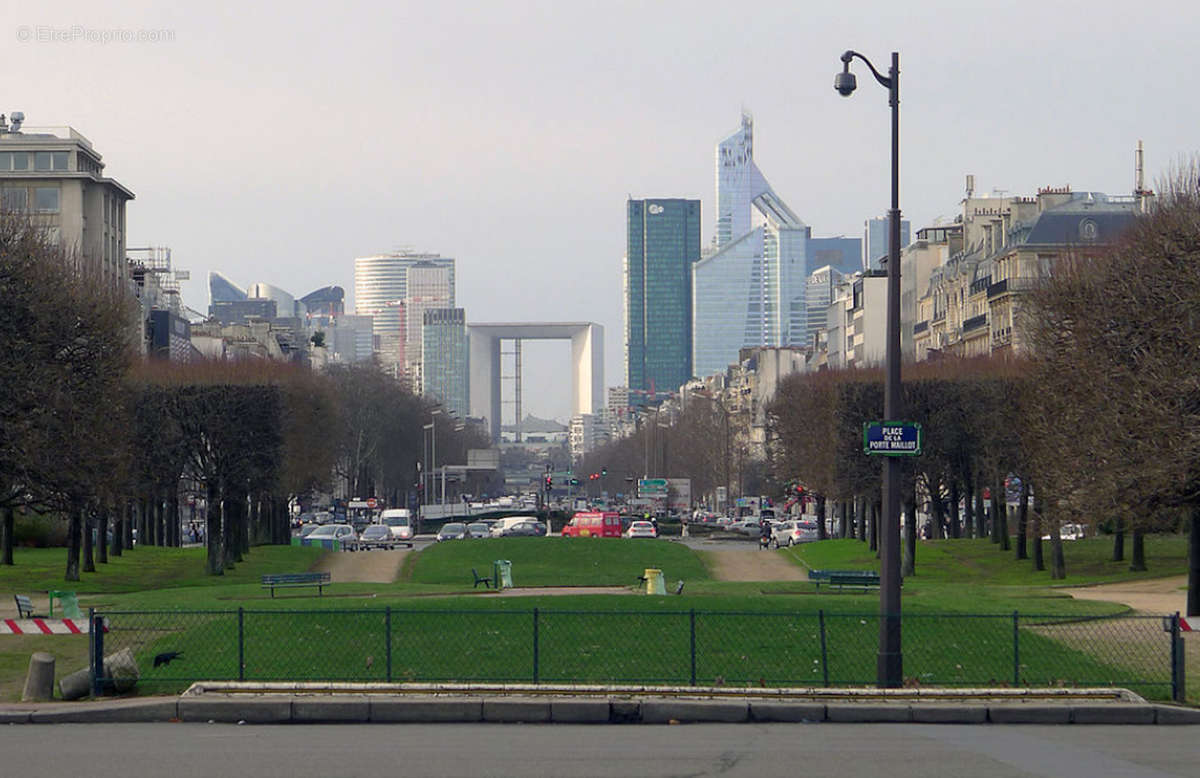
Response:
column 641, row 529
column 399, row 522
column 789, row 533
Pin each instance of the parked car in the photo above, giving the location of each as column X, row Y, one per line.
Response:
column 641, row 529
column 478, row 529
column 455, row 530
column 342, row 532
column 746, row 527
column 525, row 529
column 376, row 536
column 308, row 529
column 500, row 525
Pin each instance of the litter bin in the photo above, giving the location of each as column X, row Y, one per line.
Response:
column 68, row 605
column 502, row 574
column 654, row 581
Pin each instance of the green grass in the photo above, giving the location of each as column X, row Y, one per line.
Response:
column 559, row 562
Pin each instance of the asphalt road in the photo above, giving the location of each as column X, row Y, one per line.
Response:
column 475, row 750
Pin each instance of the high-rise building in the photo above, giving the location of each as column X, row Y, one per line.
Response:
column 841, row 253
column 751, row 290
column 430, row 286
column 380, row 286
column 663, row 243
column 58, row 176
column 222, row 290
column 822, row 289
column 876, row 242
column 445, row 368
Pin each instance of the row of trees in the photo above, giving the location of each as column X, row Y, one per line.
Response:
column 91, row 432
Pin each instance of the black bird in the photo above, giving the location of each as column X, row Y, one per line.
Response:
column 165, row 657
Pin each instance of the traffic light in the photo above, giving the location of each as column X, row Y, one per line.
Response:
column 549, row 482
column 604, row 471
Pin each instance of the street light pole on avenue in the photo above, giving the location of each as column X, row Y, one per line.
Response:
column 890, row 660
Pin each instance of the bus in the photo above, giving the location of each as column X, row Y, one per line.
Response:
column 593, row 524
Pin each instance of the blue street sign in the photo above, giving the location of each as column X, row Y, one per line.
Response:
column 892, row 438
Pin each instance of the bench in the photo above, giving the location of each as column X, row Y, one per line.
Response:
column 487, row 582
column 24, row 606
column 292, row 580
column 844, row 578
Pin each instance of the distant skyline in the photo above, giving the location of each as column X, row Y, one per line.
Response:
column 277, row 142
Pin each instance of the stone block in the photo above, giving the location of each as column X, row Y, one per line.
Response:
column 665, row 711
column 866, row 712
column 426, row 710
column 516, row 710
column 1027, row 713
column 786, row 711
column 579, row 711
column 231, row 710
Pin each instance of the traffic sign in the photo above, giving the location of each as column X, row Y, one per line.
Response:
column 652, row 487
column 371, row 503
column 892, row 438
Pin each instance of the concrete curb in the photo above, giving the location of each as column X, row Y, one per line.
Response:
column 313, row 709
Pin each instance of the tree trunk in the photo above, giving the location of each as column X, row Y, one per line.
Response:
column 130, row 516
column 969, row 523
column 873, row 526
column 939, row 516
column 7, row 529
column 1000, row 513
column 1035, row 529
column 102, row 535
column 89, row 558
column 1022, row 520
column 822, row 534
column 908, row 566
column 1058, row 562
column 118, row 529
column 847, row 520
column 1137, row 560
column 74, row 536
column 985, row 526
column 172, row 538
column 955, row 526
column 213, row 535
column 1118, row 554
column 1193, row 590
column 860, row 512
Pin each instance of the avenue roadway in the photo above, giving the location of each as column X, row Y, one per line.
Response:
column 478, row 750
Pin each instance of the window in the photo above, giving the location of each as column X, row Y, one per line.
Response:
column 13, row 199
column 61, row 160
column 45, row 199
column 20, row 160
column 6, row 160
column 41, row 160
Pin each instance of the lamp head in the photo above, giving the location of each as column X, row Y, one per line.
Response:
column 845, row 83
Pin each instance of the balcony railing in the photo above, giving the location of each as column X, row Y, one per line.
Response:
column 998, row 288
column 974, row 323
column 920, row 326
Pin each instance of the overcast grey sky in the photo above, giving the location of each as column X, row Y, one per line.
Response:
column 277, row 141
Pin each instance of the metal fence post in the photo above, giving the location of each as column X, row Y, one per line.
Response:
column 97, row 659
column 824, row 648
column 1016, row 650
column 1178, row 679
column 535, row 645
column 692, row 619
column 387, row 636
column 241, row 645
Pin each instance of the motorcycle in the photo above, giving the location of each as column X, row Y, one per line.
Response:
column 764, row 539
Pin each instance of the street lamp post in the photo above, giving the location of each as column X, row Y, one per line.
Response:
column 725, row 417
column 890, row 660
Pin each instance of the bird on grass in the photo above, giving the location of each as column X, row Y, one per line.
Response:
column 166, row 657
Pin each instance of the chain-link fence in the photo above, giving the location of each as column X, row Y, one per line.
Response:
column 174, row 648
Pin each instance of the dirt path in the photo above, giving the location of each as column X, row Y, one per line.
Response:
column 754, row 565
column 1158, row 595
column 362, row 566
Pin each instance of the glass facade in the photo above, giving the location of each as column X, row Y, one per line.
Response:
column 875, row 241
column 446, row 365
column 663, row 243
column 380, row 286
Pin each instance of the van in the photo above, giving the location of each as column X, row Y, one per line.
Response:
column 503, row 524
column 593, row 524
column 399, row 522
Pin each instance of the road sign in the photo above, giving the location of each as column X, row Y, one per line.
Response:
column 892, row 438
column 652, row 487
column 371, row 503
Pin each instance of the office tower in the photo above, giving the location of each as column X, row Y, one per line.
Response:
column 662, row 244
column 380, row 286
column 444, row 366
column 222, row 290
column 751, row 290
column 430, row 286
column 876, row 241
column 58, row 176
column 822, row 288
column 841, row 253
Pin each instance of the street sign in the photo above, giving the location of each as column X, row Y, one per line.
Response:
column 371, row 502
column 652, row 487
column 892, row 438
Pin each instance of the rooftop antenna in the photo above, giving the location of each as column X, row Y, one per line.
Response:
column 1139, row 179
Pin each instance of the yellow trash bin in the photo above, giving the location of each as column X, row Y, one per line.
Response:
column 654, row 581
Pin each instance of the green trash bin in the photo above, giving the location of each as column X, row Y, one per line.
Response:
column 68, row 604
column 502, row 574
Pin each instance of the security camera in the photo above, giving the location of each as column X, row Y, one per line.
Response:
column 845, row 83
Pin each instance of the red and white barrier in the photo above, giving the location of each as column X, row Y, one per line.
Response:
column 43, row 627
column 1189, row 623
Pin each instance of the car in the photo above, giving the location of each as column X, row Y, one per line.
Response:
column 455, row 530
column 641, row 529
column 340, row 532
column 745, row 527
column 479, row 529
column 500, row 525
column 525, row 529
column 376, row 536
column 308, row 529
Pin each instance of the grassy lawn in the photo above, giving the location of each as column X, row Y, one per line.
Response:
column 558, row 561
column 432, row 626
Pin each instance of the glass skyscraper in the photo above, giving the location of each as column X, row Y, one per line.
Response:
column 445, row 367
column 380, row 286
column 662, row 244
column 875, row 241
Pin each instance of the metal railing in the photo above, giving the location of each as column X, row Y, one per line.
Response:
column 721, row 648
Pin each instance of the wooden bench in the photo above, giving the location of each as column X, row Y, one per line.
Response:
column 479, row 579
column 24, row 606
column 292, row 580
column 841, row 579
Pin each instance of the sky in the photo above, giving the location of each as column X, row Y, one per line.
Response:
column 275, row 142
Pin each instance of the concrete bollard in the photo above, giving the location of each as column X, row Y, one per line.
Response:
column 39, row 683
column 121, row 672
